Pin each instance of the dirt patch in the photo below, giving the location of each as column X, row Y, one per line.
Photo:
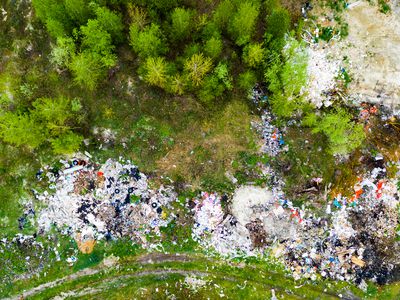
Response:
column 369, row 53
column 375, row 46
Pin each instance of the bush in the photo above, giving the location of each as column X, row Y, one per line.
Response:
column 241, row 26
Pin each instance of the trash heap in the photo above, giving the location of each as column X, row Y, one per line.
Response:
column 214, row 231
column 93, row 201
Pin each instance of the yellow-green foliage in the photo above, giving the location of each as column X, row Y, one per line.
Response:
column 253, row 55
column 197, row 67
column 156, row 71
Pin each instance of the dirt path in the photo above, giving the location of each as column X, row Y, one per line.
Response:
column 143, row 259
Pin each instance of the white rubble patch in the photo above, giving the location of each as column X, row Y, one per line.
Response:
column 249, row 202
column 194, row 283
column 322, row 71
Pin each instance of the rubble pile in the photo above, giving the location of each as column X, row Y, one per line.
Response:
column 94, row 201
column 212, row 230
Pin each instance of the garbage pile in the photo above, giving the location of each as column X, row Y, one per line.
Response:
column 93, row 201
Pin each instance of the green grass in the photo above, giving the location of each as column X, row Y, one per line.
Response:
column 259, row 280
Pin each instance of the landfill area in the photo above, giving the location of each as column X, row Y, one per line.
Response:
column 369, row 53
column 101, row 201
column 354, row 240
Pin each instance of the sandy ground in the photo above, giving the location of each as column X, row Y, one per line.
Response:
column 375, row 54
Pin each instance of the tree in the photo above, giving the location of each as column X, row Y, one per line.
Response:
column 247, row 80
column 223, row 13
column 54, row 14
column 181, row 23
column 138, row 15
column 156, row 71
column 110, row 22
column 52, row 114
column 294, row 70
column 98, row 43
column 62, row 53
column 253, row 55
column 213, row 47
column 67, row 143
column 78, row 10
column 197, row 67
column 242, row 25
column 147, row 42
column 50, row 120
column 278, row 23
column 343, row 134
column 214, row 85
column 21, row 130
column 87, row 70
